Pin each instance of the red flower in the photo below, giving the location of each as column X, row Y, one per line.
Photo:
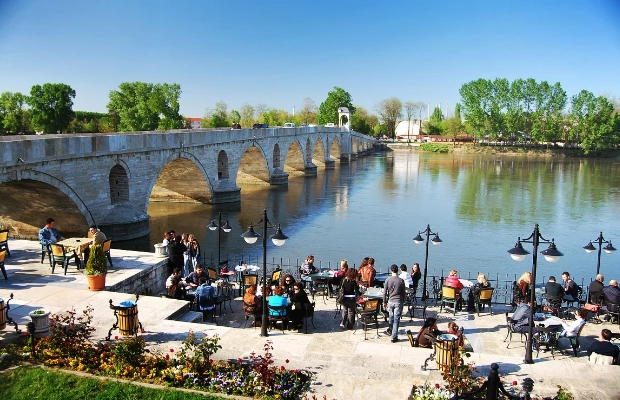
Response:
column 286, row 361
column 172, row 350
column 167, row 356
column 187, row 365
column 296, row 371
column 26, row 334
column 115, row 337
column 437, row 386
column 282, row 368
column 514, row 383
column 239, row 359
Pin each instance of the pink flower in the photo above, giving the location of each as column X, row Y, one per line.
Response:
column 437, row 386
column 514, row 383
column 286, row 361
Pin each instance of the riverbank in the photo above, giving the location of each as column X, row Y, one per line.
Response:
column 471, row 148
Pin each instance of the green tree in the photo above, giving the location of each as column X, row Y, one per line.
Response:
column 216, row 117
column 592, row 121
column 235, row 117
column 328, row 110
column 247, row 115
column 457, row 111
column 14, row 117
column 390, row 110
column 141, row 106
column 51, row 107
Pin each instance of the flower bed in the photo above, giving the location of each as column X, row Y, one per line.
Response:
column 190, row 366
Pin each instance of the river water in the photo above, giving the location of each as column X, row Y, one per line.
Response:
column 375, row 206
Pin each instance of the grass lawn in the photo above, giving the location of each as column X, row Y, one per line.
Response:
column 32, row 383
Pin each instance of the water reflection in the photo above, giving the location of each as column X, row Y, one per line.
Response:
column 375, row 206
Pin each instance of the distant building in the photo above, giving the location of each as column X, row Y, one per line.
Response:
column 407, row 130
column 195, row 122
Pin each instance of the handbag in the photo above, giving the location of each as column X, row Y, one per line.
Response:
column 340, row 297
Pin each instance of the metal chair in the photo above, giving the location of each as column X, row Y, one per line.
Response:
column 613, row 309
column 2, row 255
column 62, row 257
column 510, row 330
column 4, row 241
column 448, row 295
column 574, row 340
column 545, row 336
column 249, row 280
column 275, row 277
column 45, row 248
column 106, row 250
column 249, row 311
column 212, row 274
column 278, row 314
column 412, row 304
column 484, row 298
column 368, row 315
column 554, row 305
column 309, row 314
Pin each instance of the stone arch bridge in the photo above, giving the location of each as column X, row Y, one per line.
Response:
column 111, row 178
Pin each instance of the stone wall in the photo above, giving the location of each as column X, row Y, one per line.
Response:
column 149, row 281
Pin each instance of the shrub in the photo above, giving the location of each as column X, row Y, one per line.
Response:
column 434, row 148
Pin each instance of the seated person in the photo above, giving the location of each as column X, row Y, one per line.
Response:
column 570, row 329
column 338, row 276
column 306, row 269
column 405, row 276
column 252, row 302
column 571, row 291
column 277, row 299
column 287, row 283
column 175, row 288
column 482, row 283
column 299, row 299
column 205, row 296
column 552, row 288
column 604, row 346
column 98, row 238
column 522, row 289
column 193, row 280
column 521, row 318
column 595, row 290
column 48, row 234
column 453, row 281
column 612, row 293
column 454, row 329
column 430, row 328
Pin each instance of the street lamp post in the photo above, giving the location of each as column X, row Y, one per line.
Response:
column 608, row 249
column 518, row 253
column 417, row 240
column 226, row 228
column 278, row 239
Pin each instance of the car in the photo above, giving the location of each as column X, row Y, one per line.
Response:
column 330, row 124
column 259, row 126
column 290, row 125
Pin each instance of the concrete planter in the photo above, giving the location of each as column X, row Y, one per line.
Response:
column 41, row 321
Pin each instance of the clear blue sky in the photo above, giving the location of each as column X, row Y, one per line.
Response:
column 279, row 53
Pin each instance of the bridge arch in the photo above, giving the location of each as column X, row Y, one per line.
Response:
column 222, row 165
column 335, row 150
column 294, row 161
column 253, row 166
column 319, row 153
column 182, row 177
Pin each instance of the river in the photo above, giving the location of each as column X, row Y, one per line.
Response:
column 478, row 204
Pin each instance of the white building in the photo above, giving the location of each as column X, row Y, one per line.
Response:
column 407, row 130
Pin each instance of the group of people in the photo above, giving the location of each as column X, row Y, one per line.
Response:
column 288, row 296
column 183, row 251
column 50, row 235
column 598, row 293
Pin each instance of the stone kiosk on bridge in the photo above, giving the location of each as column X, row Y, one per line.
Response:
column 110, row 177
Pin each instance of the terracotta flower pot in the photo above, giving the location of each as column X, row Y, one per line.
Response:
column 96, row 282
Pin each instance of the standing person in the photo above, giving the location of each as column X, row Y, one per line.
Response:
column 166, row 240
column 571, row 291
column 596, row 289
column 98, row 238
column 186, row 255
column 194, row 251
column 367, row 273
column 307, row 268
column 48, row 234
column 299, row 299
column 416, row 275
column 405, row 276
column 350, row 291
column 393, row 301
column 176, row 251
column 338, row 276
column 552, row 288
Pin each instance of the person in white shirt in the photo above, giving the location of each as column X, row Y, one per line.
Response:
column 572, row 328
column 405, row 276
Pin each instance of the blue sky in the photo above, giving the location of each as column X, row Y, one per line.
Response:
column 278, row 53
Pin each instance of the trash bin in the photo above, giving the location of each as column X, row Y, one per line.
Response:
column 160, row 250
column 128, row 318
column 446, row 349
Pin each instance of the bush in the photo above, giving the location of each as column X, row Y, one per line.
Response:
column 435, row 148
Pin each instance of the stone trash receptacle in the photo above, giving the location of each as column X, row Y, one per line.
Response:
column 160, row 250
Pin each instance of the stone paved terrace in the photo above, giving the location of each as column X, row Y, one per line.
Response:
column 346, row 365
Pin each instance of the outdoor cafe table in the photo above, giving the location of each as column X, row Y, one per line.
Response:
column 372, row 294
column 322, row 281
column 76, row 244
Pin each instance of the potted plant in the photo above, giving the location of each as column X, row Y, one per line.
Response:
column 96, row 268
column 41, row 321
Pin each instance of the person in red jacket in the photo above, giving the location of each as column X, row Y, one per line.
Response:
column 453, row 281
